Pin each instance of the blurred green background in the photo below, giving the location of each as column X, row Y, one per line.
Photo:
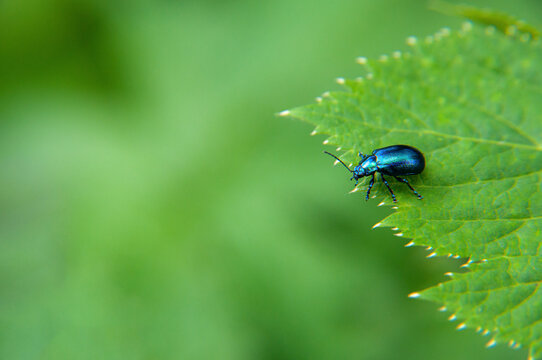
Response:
column 154, row 207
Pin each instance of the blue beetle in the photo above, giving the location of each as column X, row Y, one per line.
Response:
column 395, row 160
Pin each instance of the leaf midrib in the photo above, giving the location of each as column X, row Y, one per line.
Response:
column 435, row 133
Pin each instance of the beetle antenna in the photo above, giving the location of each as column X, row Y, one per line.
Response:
column 339, row 160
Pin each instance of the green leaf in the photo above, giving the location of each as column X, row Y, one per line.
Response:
column 471, row 100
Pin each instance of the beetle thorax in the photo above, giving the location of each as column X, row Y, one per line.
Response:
column 365, row 167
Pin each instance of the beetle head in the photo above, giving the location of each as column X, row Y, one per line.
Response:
column 358, row 173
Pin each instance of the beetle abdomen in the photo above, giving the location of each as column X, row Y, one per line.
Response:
column 399, row 160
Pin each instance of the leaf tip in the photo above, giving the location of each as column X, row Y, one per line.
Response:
column 491, row 343
column 461, row 326
column 445, row 31
column 362, row 60
column 409, row 244
column 442, row 308
column 376, row 225
column 398, row 234
column 414, row 295
column 452, row 317
column 433, row 254
column 285, row 113
column 411, row 40
column 340, row 80
column 449, row 274
column 511, row 30
column 466, row 26
column 465, row 265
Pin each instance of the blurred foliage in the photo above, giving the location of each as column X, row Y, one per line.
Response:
column 154, row 208
column 500, row 20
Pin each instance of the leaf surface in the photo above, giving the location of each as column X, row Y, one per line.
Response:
column 471, row 101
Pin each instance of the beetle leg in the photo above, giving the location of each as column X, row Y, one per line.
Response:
column 389, row 188
column 357, row 180
column 411, row 188
column 370, row 186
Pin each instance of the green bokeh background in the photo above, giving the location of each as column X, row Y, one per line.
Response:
column 154, row 207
